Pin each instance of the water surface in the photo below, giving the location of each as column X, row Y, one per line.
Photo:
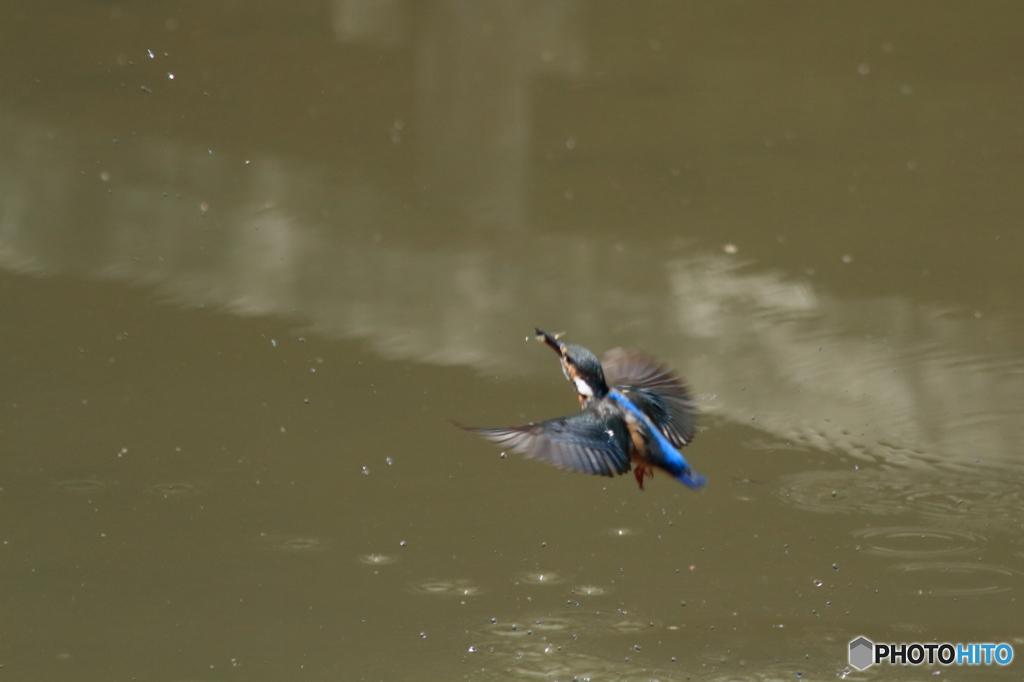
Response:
column 255, row 256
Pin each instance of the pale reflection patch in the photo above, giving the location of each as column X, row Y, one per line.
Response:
column 872, row 377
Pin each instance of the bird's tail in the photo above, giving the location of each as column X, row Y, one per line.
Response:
column 691, row 478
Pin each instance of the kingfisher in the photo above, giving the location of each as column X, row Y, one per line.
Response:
column 636, row 414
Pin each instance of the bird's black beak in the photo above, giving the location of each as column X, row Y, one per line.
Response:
column 552, row 341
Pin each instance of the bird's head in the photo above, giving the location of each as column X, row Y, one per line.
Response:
column 580, row 366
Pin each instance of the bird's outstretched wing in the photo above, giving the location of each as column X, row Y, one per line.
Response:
column 656, row 390
column 583, row 442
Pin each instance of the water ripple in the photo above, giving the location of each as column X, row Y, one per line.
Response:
column 590, row 590
column 910, row 542
column 549, row 647
column 988, row 502
column 953, row 579
column 447, row 588
column 175, row 489
column 84, row 485
column 541, row 578
column 294, row 544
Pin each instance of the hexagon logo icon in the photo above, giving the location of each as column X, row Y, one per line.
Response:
column 862, row 653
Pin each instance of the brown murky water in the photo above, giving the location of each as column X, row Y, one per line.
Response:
column 256, row 255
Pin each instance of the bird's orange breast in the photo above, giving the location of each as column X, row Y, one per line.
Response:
column 638, row 451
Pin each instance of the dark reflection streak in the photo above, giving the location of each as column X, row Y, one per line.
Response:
column 475, row 64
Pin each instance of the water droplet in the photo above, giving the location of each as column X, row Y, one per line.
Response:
column 590, row 590
column 304, row 544
column 621, row 532
column 366, row 471
column 541, row 578
column 818, row 583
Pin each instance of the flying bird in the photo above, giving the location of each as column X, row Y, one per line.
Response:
column 636, row 414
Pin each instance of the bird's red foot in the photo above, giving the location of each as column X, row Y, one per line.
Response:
column 642, row 472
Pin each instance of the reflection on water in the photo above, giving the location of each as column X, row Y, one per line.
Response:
column 897, row 411
column 962, row 501
column 875, row 379
column 924, row 401
column 483, row 80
